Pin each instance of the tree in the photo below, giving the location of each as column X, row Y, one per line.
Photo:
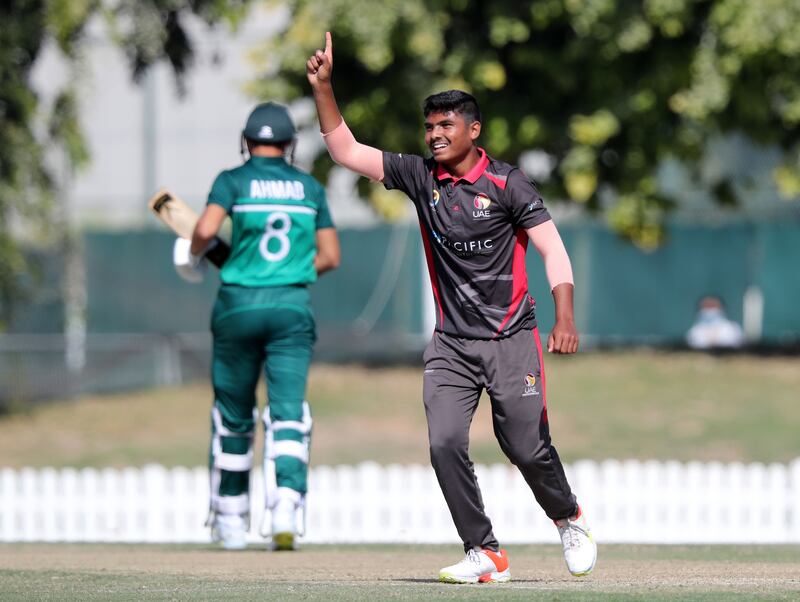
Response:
column 608, row 88
column 148, row 31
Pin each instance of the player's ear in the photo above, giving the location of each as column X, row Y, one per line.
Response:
column 474, row 130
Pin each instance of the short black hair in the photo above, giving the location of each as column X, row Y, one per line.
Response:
column 456, row 101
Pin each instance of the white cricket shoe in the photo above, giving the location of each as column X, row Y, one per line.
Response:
column 478, row 566
column 230, row 530
column 284, row 525
column 580, row 550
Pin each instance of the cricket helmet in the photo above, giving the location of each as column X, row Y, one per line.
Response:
column 269, row 123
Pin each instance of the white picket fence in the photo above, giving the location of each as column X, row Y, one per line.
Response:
column 631, row 501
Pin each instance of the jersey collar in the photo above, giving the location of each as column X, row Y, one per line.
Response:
column 471, row 176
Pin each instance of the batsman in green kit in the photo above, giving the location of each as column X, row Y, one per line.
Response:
column 282, row 239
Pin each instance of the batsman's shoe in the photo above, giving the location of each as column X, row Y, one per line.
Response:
column 284, row 525
column 478, row 566
column 230, row 530
column 580, row 550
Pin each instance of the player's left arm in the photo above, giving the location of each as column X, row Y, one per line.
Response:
column 528, row 212
column 545, row 237
column 329, row 254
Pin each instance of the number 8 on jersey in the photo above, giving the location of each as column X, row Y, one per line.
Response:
column 278, row 226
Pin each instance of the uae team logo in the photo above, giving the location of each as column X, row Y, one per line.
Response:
column 530, row 385
column 481, row 204
column 435, row 199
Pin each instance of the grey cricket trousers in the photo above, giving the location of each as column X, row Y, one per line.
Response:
column 456, row 372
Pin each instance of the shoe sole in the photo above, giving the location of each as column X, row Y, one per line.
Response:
column 503, row 577
column 283, row 542
column 583, row 573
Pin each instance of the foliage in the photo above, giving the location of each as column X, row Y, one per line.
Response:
column 609, row 88
column 34, row 132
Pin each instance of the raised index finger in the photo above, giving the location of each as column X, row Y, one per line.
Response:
column 328, row 44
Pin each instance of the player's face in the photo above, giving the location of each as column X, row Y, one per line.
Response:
column 449, row 137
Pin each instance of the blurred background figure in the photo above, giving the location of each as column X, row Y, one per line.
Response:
column 712, row 329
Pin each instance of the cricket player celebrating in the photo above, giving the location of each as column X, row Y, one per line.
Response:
column 283, row 238
column 477, row 215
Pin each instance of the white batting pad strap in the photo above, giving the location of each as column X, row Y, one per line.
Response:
column 234, row 462
column 231, row 504
column 280, row 425
column 303, row 427
column 285, row 493
column 294, row 449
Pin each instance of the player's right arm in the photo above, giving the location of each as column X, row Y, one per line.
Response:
column 342, row 145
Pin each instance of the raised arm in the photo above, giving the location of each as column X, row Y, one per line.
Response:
column 545, row 237
column 342, row 146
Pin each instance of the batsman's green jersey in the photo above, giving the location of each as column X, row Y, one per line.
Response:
column 262, row 318
column 276, row 211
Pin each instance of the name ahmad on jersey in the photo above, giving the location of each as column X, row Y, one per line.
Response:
column 277, row 189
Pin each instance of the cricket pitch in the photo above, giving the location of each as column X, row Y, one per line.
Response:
column 389, row 572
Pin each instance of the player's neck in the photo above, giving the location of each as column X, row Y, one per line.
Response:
column 266, row 150
column 461, row 167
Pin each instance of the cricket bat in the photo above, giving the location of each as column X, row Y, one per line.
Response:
column 182, row 219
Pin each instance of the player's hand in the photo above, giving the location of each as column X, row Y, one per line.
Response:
column 319, row 66
column 563, row 338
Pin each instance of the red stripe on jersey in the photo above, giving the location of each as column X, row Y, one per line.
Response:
column 500, row 183
column 541, row 371
column 519, row 277
column 472, row 175
column 432, row 272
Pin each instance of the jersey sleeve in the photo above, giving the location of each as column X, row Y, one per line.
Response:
column 324, row 219
column 404, row 172
column 525, row 203
column 223, row 192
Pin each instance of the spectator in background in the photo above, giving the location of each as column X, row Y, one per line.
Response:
column 712, row 329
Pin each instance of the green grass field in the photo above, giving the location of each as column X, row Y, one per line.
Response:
column 374, row 573
column 622, row 405
column 602, row 405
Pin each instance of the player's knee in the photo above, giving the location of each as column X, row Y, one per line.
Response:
column 524, row 454
column 238, row 427
column 446, row 443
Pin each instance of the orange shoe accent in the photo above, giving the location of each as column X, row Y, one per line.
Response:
column 500, row 560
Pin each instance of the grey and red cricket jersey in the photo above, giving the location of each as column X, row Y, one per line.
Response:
column 474, row 233
column 473, row 229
